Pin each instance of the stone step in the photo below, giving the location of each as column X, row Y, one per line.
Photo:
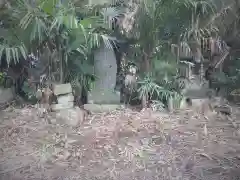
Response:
column 99, row 96
column 6, row 95
column 197, row 94
column 99, row 108
column 196, row 89
column 60, row 89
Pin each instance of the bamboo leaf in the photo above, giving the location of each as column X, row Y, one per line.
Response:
column 26, row 20
column 14, row 55
column 23, row 51
column 8, row 55
column 17, row 54
column 48, row 6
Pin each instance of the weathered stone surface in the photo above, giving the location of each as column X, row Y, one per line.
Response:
column 65, row 99
column 6, row 95
column 60, row 89
column 57, row 107
column 105, row 68
column 102, row 108
column 195, row 103
column 69, row 116
column 198, row 102
column 103, row 97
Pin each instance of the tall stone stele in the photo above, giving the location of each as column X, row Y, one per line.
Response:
column 105, row 68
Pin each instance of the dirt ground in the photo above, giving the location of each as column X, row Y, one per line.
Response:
column 121, row 145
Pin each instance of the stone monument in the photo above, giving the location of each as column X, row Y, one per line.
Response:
column 105, row 68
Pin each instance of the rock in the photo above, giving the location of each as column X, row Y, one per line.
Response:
column 53, row 121
column 101, row 108
column 65, row 99
column 105, row 68
column 64, row 102
column 224, row 109
column 41, row 112
column 157, row 139
column 60, row 89
column 199, row 102
column 57, row 107
column 6, row 95
column 144, row 141
column 70, row 116
column 107, row 96
column 64, row 156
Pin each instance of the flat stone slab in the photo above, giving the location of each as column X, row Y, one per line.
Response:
column 102, row 107
column 97, row 96
column 198, row 102
column 195, row 102
column 69, row 116
column 65, row 99
column 57, row 107
column 60, row 89
column 6, row 95
column 197, row 93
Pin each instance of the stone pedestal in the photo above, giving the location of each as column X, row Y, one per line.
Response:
column 103, row 97
column 105, row 68
column 6, row 95
column 65, row 97
column 97, row 108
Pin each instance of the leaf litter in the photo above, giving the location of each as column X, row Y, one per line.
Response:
column 123, row 144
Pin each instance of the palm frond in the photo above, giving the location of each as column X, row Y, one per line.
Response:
column 13, row 54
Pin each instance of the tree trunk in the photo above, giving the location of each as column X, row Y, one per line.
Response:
column 147, row 65
column 195, row 47
column 61, row 68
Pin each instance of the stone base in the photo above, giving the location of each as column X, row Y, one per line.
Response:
column 97, row 108
column 103, row 97
column 69, row 116
column 57, row 107
column 196, row 103
column 65, row 99
column 60, row 89
column 6, row 95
